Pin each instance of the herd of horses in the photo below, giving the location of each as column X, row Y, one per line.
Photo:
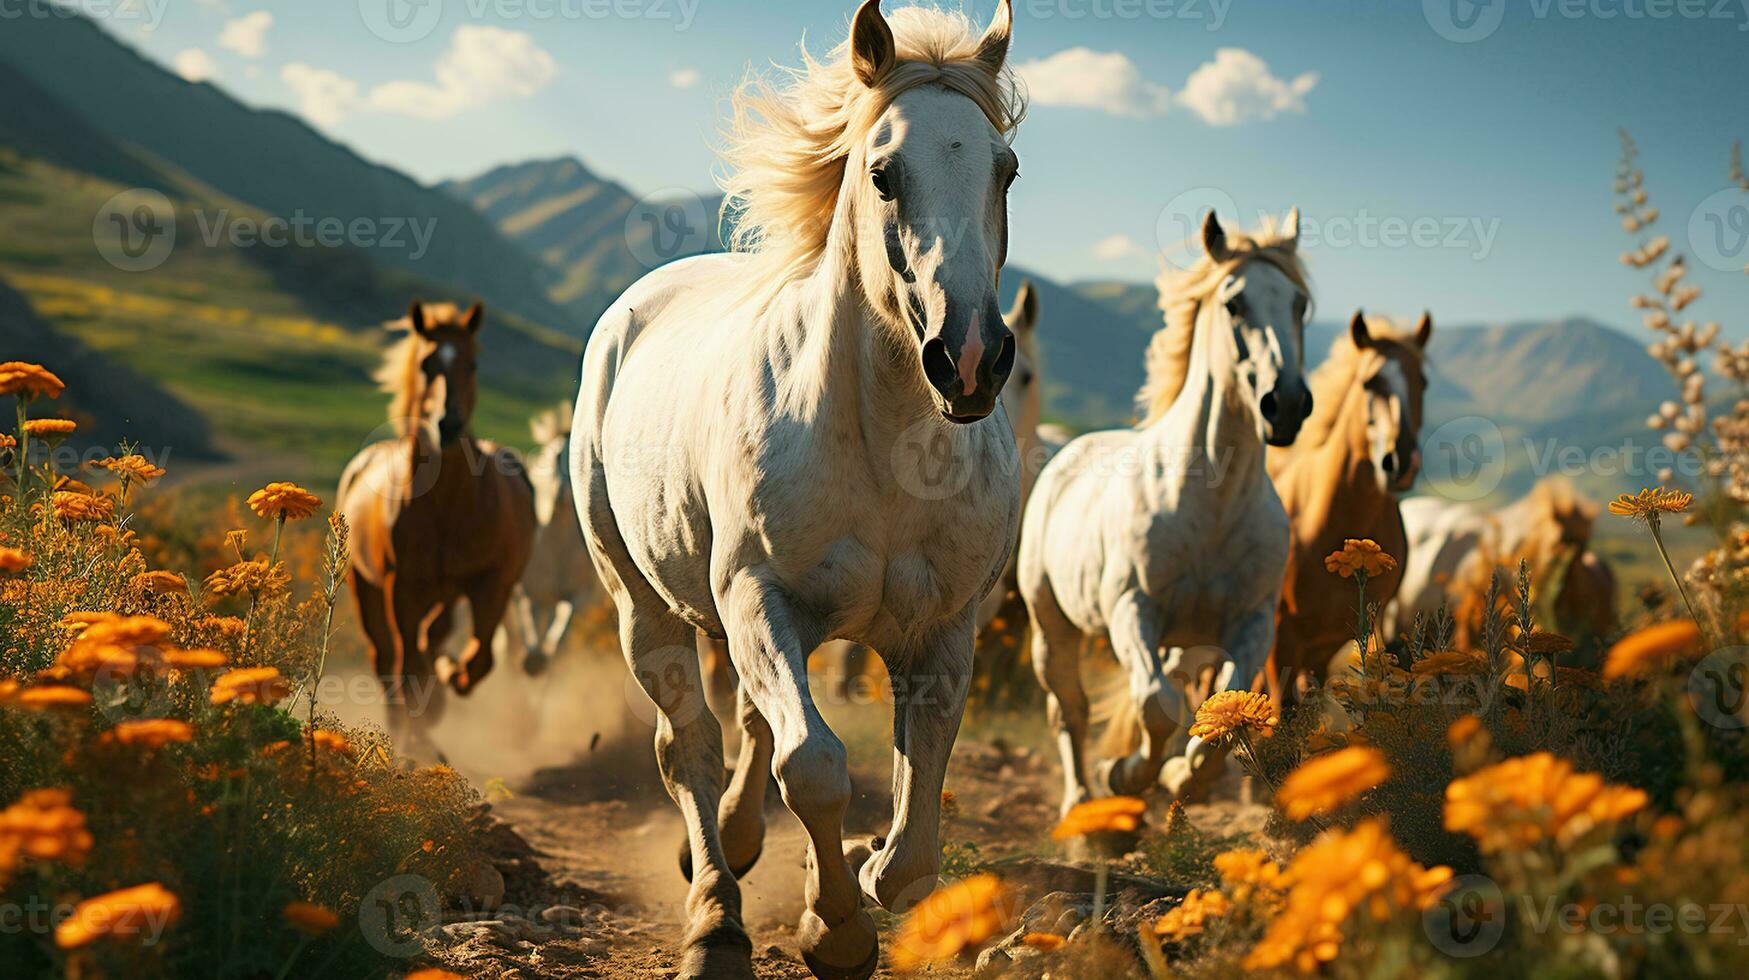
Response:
column 733, row 478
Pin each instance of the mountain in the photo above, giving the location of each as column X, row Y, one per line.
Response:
column 268, row 160
column 594, row 235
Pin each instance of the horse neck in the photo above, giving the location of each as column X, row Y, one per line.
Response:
column 1347, row 453
column 1214, row 409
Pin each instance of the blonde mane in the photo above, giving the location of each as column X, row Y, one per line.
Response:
column 552, row 424
column 1333, row 381
column 787, row 142
column 1181, row 298
column 398, row 375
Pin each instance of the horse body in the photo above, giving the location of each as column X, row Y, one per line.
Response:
column 1338, row 481
column 559, row 579
column 753, row 453
column 437, row 516
column 1170, row 537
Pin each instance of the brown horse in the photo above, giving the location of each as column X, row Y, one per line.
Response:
column 436, row 516
column 1340, row 480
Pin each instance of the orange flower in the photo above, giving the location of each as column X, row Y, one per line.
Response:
column 1192, row 915
column 43, row 826
column 70, row 505
column 1461, row 731
column 332, row 741
column 1234, row 712
column 284, row 502
column 1535, row 798
column 1359, row 555
column 951, row 920
column 133, row 468
column 433, row 974
column 250, row 685
column 309, row 918
column 160, row 582
column 151, row 733
column 1246, row 871
column 118, row 645
column 1046, row 942
column 29, row 381
column 194, row 659
column 82, row 619
column 1647, row 505
column 50, row 428
column 1325, row 783
column 1652, row 649
column 142, row 911
column 53, row 697
column 248, row 576
column 7, row 442
column 13, row 560
column 1119, row 814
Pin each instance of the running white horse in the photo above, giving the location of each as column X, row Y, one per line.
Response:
column 804, row 442
column 559, row 579
column 1170, row 536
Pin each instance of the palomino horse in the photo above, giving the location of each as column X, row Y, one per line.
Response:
column 1340, row 480
column 436, row 516
column 802, row 442
column 1169, row 536
column 1455, row 548
column 559, row 579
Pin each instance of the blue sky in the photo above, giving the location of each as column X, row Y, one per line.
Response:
column 1471, row 177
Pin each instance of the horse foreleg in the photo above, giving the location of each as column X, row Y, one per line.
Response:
column 1056, row 661
column 929, row 699
column 563, row 612
column 524, row 632
column 1248, row 643
column 412, row 697
column 488, row 598
column 769, row 648
column 1136, row 625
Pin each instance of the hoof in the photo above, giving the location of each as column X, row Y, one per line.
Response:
column 724, row 951
column 738, row 872
column 1189, row 783
column 535, row 664
column 849, row 952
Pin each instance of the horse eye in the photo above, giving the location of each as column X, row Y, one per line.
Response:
column 881, row 185
column 1026, row 377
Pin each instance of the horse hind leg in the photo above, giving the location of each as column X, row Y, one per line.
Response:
column 1056, row 661
column 741, row 817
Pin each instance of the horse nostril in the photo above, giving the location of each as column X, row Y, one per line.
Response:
column 938, row 365
column 1004, row 358
column 1268, row 405
column 1390, row 463
column 1308, row 404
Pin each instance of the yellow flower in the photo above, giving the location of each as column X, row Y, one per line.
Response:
column 1653, row 648
column 1232, row 712
column 1648, row 504
column 283, row 501
column 250, row 685
column 13, row 560
column 1192, row 915
column 309, row 918
column 29, row 381
column 151, row 733
column 952, row 919
column 138, row 912
column 43, row 826
column 1532, row 799
column 1112, row 814
column 70, row 505
column 160, row 582
column 134, row 468
column 50, row 428
column 1326, row 782
column 248, row 576
column 1359, row 555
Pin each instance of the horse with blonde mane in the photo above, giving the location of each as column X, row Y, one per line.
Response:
column 1169, row 536
column 803, row 440
column 559, row 579
column 1340, row 480
column 437, row 516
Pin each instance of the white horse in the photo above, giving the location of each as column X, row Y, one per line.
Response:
column 805, row 442
column 559, row 579
column 1170, row 535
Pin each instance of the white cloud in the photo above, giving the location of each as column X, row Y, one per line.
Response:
column 1237, row 87
column 1082, row 78
column 1117, row 248
column 324, row 97
column 196, row 65
column 482, row 64
column 247, row 35
column 683, row 78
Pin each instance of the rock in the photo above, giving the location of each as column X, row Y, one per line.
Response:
column 478, row 886
column 563, row 916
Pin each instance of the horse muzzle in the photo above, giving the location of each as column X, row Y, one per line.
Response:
column 1283, row 413
column 967, row 366
column 1400, row 469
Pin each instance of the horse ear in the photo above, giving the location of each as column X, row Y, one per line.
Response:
column 1290, row 229
column 416, row 316
column 1424, row 330
column 1024, row 316
column 475, row 318
column 1214, row 238
column 1357, row 329
column 993, row 46
column 872, row 50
